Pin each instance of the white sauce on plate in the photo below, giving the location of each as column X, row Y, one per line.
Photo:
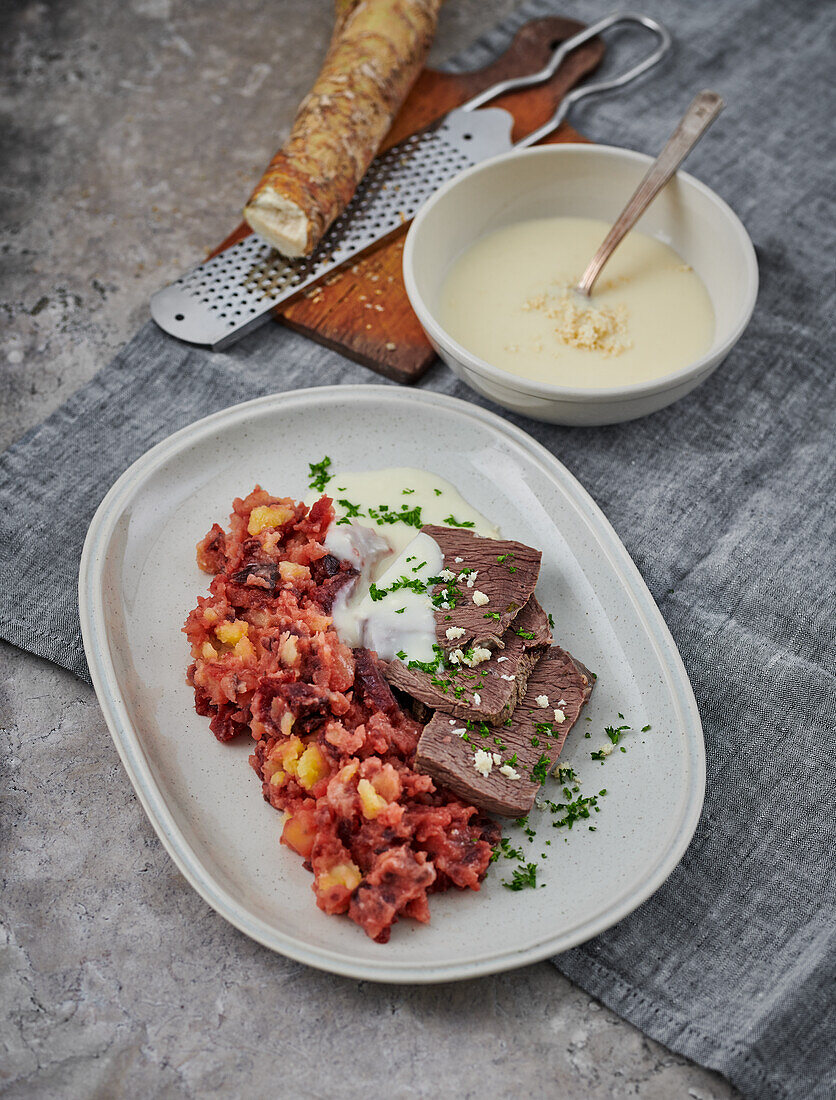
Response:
column 402, row 621
column 508, row 299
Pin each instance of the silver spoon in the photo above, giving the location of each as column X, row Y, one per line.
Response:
column 693, row 124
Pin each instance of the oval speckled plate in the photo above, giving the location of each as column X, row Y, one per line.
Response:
column 138, row 581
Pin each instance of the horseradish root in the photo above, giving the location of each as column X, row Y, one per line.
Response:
column 376, row 52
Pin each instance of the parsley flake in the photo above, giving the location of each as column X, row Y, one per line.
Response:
column 319, row 477
column 523, row 876
column 540, row 769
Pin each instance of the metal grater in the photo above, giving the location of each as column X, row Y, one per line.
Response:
column 220, row 300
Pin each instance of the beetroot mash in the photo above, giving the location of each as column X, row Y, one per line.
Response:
column 333, row 748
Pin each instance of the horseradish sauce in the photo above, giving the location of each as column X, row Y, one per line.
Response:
column 508, row 298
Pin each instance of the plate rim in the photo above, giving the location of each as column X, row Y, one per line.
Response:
column 125, row 738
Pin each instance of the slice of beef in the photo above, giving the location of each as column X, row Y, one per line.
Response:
column 506, row 572
column 497, row 683
column 447, row 746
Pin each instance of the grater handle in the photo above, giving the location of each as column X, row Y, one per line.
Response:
column 569, row 100
column 514, row 84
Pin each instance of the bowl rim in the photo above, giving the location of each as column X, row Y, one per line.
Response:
column 633, row 391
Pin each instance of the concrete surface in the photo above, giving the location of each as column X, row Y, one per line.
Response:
column 131, row 134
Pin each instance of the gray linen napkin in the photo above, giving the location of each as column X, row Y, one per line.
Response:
column 725, row 501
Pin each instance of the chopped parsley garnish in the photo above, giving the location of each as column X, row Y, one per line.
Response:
column 400, row 611
column 384, row 514
column 551, row 620
column 407, row 492
column 319, row 477
column 351, row 510
column 527, row 634
column 614, row 732
column 432, row 667
column 448, row 594
column 508, row 851
column 414, row 584
column 437, row 492
column 495, row 616
column 453, row 522
column 540, row 769
column 523, row 876
column 577, row 809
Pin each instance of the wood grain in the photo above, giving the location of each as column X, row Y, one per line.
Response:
column 362, row 310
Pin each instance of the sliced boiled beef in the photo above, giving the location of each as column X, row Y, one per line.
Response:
column 487, row 692
column 494, row 580
column 529, row 742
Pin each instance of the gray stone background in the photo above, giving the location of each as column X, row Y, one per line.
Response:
column 131, row 133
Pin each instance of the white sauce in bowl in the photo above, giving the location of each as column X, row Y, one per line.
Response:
column 508, row 299
column 383, row 552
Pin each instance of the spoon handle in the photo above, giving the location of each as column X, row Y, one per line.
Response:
column 696, row 120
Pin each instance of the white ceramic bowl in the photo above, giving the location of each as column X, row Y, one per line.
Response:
column 591, row 181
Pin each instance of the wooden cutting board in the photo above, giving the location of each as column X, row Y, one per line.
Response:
column 362, row 310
